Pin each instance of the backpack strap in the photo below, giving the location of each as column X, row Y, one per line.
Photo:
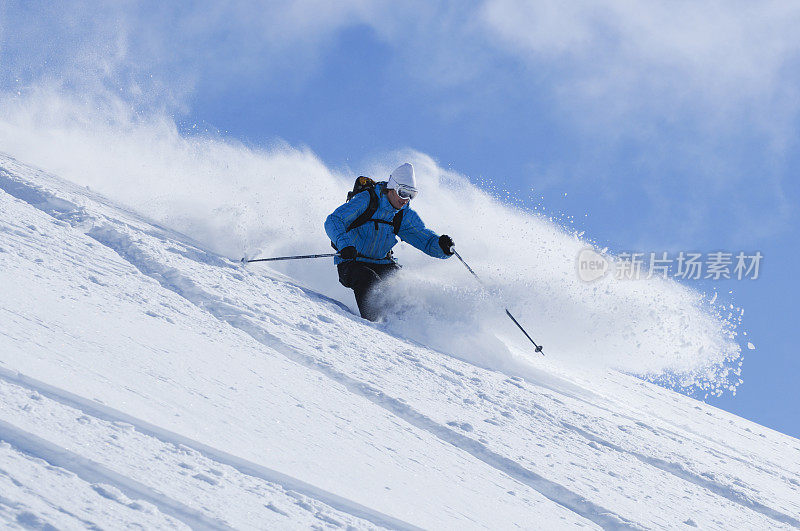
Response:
column 365, row 216
column 397, row 221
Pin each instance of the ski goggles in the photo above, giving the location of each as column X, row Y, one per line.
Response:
column 406, row 192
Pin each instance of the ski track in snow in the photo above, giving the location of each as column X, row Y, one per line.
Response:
column 681, row 472
column 99, row 475
column 288, row 483
column 36, row 494
column 189, row 454
column 474, row 410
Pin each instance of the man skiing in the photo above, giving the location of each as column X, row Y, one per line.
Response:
column 366, row 227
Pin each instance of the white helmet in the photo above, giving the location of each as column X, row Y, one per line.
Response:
column 402, row 177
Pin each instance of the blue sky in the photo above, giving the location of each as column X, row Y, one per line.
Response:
column 668, row 125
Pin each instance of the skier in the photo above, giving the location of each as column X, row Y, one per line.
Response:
column 365, row 228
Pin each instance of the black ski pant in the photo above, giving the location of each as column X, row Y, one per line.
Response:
column 361, row 277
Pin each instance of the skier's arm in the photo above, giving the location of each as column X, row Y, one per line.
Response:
column 336, row 224
column 413, row 232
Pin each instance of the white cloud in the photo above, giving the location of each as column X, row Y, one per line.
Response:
column 706, row 91
column 155, row 54
column 709, row 54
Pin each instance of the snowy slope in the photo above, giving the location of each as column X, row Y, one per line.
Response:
column 148, row 381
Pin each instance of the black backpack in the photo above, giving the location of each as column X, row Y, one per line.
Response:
column 366, row 184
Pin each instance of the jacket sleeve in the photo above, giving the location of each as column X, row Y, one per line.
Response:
column 337, row 222
column 413, row 232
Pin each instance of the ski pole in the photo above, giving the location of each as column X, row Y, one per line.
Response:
column 298, row 257
column 538, row 347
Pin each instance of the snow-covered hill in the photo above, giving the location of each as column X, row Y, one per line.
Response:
column 147, row 381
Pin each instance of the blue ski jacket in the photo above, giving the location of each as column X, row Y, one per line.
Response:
column 373, row 241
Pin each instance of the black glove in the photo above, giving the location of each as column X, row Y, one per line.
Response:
column 446, row 242
column 348, row 253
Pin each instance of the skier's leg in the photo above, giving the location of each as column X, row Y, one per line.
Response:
column 371, row 308
column 359, row 277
